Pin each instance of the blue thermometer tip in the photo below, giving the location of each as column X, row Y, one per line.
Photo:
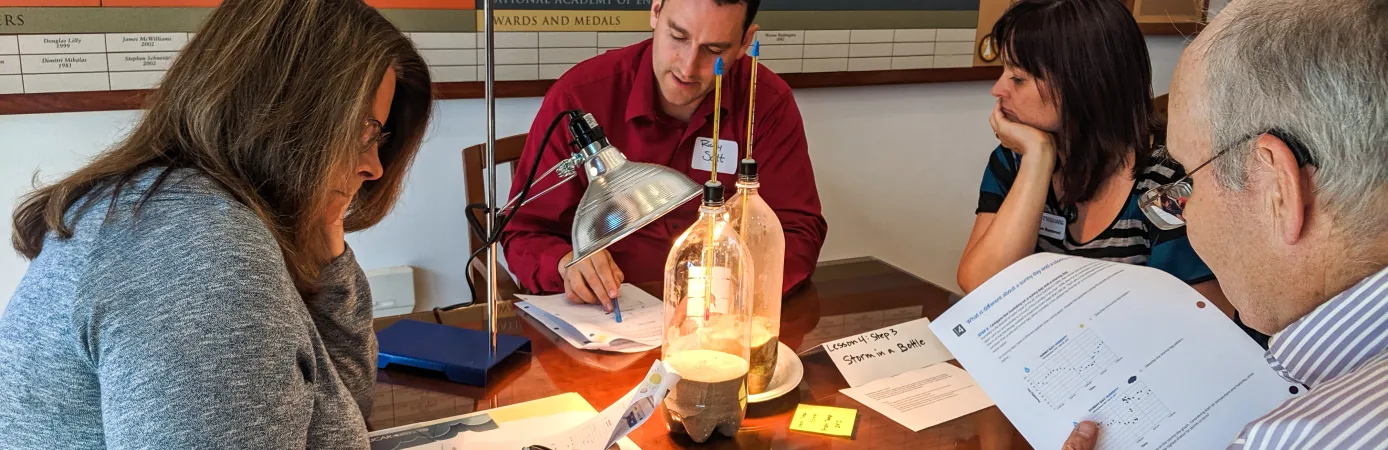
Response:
column 756, row 49
column 718, row 67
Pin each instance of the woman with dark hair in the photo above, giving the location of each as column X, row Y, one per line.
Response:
column 1080, row 144
column 190, row 287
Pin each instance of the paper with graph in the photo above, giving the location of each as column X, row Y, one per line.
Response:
column 1058, row 339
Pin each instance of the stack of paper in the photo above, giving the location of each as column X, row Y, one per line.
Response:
column 900, row 371
column 589, row 327
column 514, row 427
column 602, row 431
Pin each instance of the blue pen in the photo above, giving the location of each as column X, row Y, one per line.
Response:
column 617, row 309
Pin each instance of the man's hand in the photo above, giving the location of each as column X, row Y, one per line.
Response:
column 593, row 280
column 1084, row 437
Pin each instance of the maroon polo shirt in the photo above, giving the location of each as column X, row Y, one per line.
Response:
column 619, row 89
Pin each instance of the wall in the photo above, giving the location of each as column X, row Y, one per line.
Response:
column 1216, row 6
column 897, row 167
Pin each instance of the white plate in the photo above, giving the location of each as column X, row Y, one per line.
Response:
column 788, row 374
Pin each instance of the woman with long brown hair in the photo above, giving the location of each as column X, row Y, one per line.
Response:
column 190, row 287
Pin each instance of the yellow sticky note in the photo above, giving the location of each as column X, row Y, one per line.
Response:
column 824, row 420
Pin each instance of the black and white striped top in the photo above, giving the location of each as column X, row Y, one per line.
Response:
column 1131, row 238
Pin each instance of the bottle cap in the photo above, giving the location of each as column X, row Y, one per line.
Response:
column 713, row 193
column 747, row 169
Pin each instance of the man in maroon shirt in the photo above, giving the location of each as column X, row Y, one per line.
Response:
column 655, row 103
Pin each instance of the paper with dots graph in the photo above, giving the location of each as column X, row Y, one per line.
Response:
column 1056, row 339
column 1071, row 365
column 1126, row 414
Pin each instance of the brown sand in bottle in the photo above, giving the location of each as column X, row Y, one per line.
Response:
column 711, row 394
column 764, row 345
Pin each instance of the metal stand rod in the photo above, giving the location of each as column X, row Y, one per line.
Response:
column 489, row 14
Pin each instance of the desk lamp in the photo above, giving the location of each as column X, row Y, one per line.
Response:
column 621, row 197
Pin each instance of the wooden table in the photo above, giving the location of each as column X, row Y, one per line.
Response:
column 843, row 298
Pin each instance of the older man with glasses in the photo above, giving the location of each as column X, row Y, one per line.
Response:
column 1287, row 102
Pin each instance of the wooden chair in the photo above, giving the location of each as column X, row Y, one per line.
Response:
column 508, row 150
column 1159, row 110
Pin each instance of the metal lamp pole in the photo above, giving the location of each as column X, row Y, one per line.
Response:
column 488, row 14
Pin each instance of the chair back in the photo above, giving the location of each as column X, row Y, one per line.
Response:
column 1159, row 105
column 508, row 151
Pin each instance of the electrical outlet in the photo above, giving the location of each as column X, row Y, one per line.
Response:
column 392, row 291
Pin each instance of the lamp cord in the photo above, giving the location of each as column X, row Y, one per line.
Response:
column 501, row 220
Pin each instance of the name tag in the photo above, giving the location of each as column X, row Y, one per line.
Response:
column 1052, row 226
column 703, row 155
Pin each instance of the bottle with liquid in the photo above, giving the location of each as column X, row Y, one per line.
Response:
column 759, row 227
column 707, row 324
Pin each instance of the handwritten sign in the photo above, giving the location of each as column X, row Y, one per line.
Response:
column 886, row 352
column 824, row 420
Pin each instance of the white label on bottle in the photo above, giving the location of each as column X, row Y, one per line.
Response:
column 703, row 155
column 722, row 291
column 1052, row 226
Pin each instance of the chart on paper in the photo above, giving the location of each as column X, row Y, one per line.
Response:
column 1126, row 418
column 1068, row 366
column 1155, row 370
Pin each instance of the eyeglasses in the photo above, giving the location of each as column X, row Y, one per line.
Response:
column 1165, row 205
column 374, row 136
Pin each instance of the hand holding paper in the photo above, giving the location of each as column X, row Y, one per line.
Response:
column 1057, row 340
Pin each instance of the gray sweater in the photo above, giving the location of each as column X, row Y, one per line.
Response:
column 181, row 329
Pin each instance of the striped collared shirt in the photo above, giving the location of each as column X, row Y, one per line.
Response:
column 1339, row 351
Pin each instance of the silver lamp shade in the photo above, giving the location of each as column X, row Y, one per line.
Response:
column 622, row 197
